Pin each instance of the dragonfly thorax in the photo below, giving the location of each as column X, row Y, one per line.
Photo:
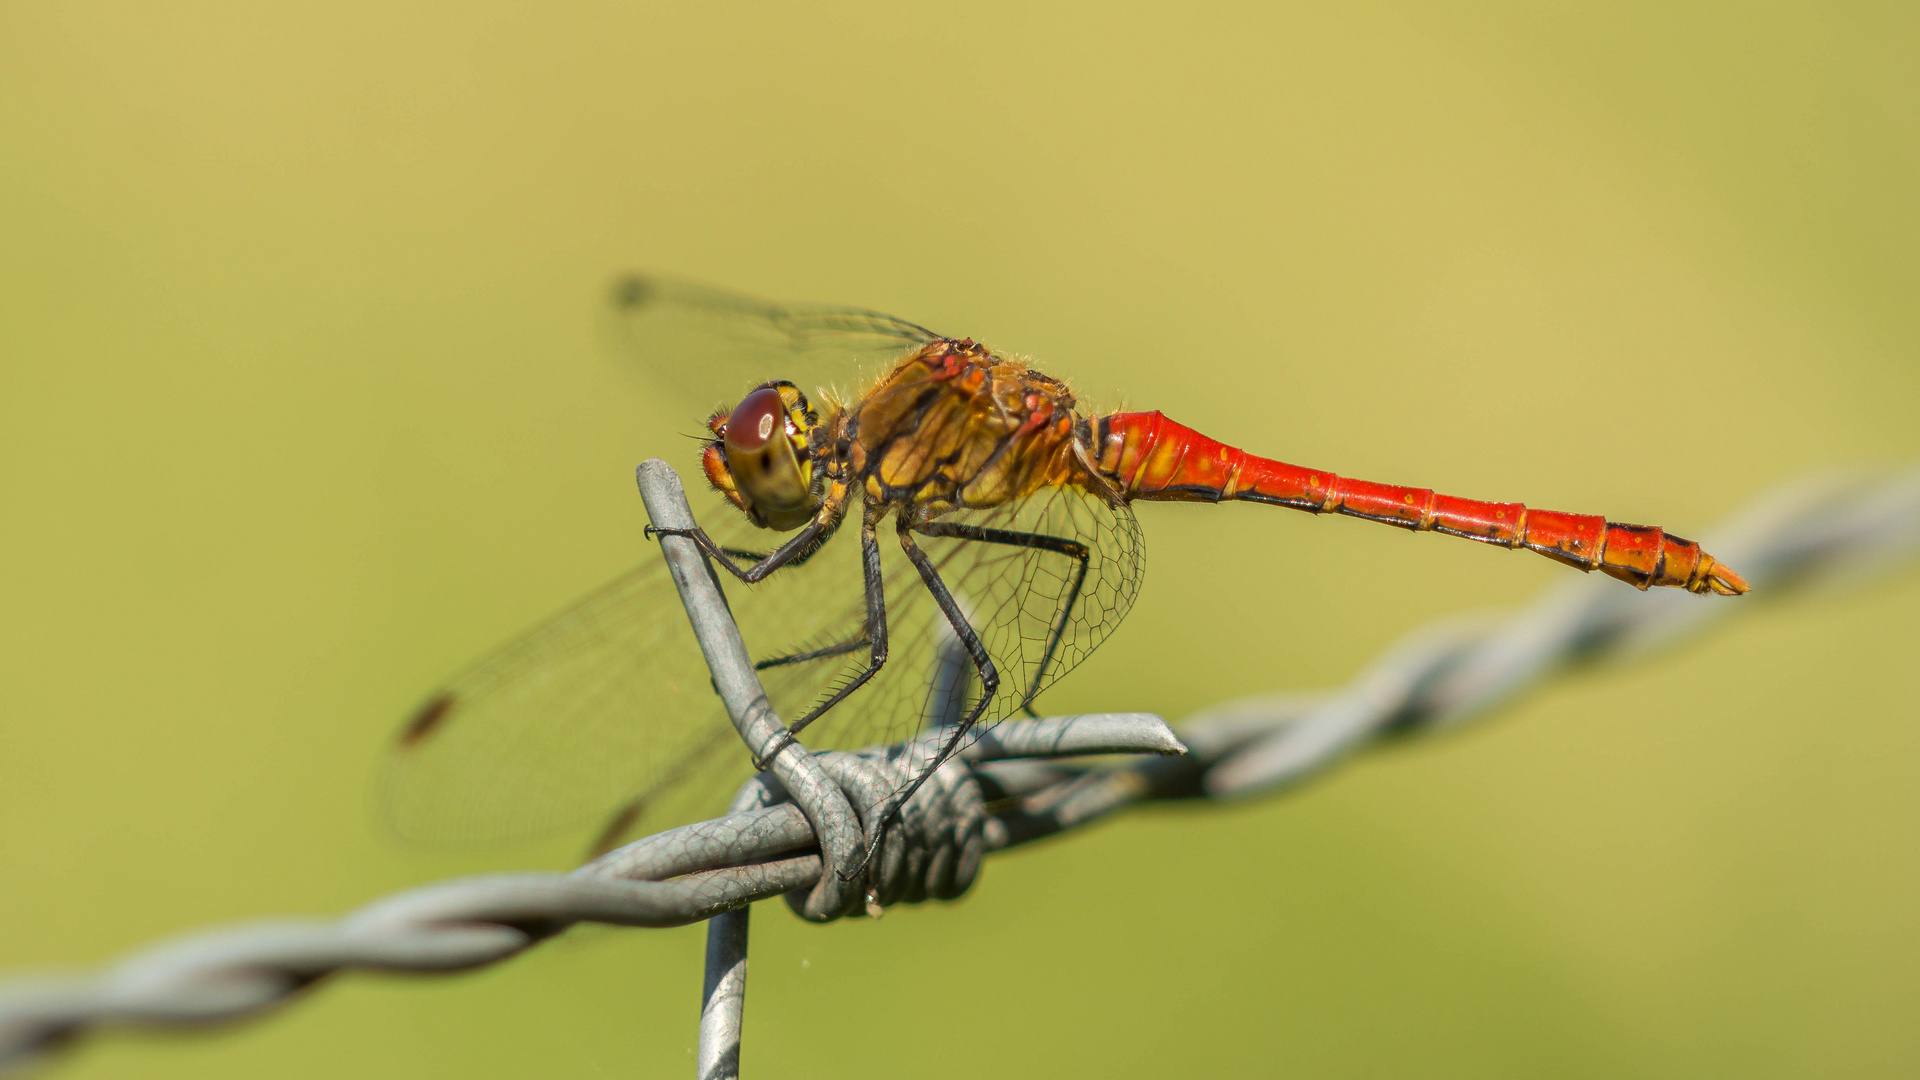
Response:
column 759, row 459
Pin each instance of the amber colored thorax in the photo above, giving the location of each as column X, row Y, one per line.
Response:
column 953, row 426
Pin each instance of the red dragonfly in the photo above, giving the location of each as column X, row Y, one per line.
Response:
column 1013, row 553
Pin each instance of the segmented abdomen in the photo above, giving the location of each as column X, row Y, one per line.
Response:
column 1148, row 456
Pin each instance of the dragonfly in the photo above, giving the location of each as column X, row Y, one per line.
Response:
column 918, row 535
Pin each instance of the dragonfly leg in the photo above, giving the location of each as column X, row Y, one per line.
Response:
column 982, row 661
column 796, row 550
column 875, row 638
column 989, row 684
column 751, row 556
column 842, row 649
column 1072, row 549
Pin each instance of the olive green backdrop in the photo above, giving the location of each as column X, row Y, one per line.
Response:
column 301, row 406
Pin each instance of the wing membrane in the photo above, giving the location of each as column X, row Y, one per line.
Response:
column 607, row 708
column 606, row 705
column 711, row 346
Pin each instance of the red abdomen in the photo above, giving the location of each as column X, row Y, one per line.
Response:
column 1148, row 456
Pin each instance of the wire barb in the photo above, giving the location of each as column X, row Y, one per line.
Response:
column 1016, row 783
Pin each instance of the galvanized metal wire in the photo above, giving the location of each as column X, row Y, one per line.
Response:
column 1015, row 785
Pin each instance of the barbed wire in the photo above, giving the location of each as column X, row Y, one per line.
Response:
column 1015, row 784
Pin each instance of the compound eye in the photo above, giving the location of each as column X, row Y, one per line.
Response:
column 756, row 420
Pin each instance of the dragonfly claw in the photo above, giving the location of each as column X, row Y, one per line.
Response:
column 762, row 764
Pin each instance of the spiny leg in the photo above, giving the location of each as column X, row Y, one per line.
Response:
column 1073, row 549
column 823, row 653
column 989, row 685
column 876, row 638
column 827, row 652
column 750, row 555
column 795, row 551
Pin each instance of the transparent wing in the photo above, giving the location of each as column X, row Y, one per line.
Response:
column 1039, row 608
column 1043, row 581
column 606, row 712
column 606, row 707
column 710, row 347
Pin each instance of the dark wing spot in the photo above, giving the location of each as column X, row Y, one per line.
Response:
column 430, row 716
column 632, row 291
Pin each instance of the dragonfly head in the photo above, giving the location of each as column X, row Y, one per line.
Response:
column 759, row 458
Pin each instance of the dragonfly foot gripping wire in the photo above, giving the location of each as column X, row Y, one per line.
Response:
column 1826, row 530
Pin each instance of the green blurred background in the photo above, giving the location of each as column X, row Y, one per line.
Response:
column 304, row 406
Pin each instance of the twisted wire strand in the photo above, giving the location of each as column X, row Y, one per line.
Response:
column 766, row 848
column 1825, row 531
column 1821, row 531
